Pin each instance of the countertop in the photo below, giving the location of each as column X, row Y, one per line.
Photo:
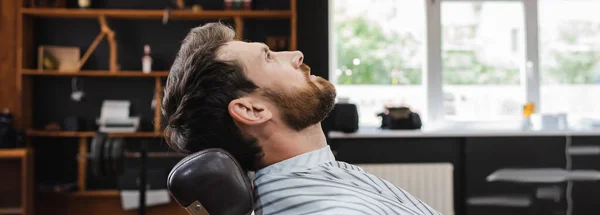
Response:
column 380, row 133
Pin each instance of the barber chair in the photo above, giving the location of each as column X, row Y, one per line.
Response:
column 211, row 182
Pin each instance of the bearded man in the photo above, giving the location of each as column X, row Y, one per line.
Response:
column 265, row 108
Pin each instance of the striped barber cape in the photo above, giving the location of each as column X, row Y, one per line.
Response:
column 315, row 183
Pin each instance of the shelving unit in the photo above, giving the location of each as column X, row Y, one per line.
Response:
column 94, row 73
column 153, row 14
column 11, row 211
column 19, row 159
column 36, row 133
column 98, row 193
column 12, row 153
column 27, row 73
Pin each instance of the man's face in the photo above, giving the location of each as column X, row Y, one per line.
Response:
column 302, row 99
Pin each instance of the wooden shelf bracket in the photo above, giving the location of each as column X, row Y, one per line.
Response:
column 112, row 43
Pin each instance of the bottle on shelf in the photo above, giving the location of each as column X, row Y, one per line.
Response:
column 84, row 3
column 247, row 4
column 228, row 4
column 146, row 60
column 237, row 4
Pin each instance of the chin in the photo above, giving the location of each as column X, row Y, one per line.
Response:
column 323, row 83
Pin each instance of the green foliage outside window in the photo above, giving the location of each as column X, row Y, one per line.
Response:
column 393, row 58
column 378, row 55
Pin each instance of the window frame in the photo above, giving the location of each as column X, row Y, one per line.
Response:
column 432, row 75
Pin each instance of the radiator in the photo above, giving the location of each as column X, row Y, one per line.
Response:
column 432, row 183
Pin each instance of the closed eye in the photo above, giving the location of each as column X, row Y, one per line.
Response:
column 267, row 52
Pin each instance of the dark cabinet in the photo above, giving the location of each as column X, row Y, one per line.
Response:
column 586, row 195
column 397, row 150
column 475, row 158
column 485, row 155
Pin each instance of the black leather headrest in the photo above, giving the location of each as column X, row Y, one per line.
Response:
column 211, row 180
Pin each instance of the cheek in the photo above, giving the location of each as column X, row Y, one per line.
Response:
column 259, row 79
column 289, row 79
column 265, row 75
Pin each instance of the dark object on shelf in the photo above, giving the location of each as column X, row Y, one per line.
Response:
column 8, row 134
column 400, row 118
column 57, row 188
column 107, row 155
column 73, row 123
column 237, row 4
column 97, row 154
column 52, row 126
column 211, row 171
column 228, row 4
column 344, row 117
column 247, row 4
column 47, row 3
column 107, row 158
column 117, row 161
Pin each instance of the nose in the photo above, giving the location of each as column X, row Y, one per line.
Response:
column 297, row 59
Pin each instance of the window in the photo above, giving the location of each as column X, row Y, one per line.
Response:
column 467, row 61
column 379, row 54
column 481, row 59
column 570, row 57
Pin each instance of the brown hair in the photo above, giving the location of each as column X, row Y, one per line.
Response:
column 197, row 93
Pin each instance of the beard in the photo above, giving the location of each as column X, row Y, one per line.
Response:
column 306, row 106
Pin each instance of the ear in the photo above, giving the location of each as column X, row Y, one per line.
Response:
column 248, row 111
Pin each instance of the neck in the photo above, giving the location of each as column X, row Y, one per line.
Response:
column 282, row 145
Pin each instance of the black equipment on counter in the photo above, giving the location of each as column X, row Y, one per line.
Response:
column 400, row 118
column 343, row 117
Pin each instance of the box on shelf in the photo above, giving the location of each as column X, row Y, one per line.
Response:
column 61, row 58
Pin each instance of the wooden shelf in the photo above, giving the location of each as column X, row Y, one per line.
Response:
column 152, row 14
column 36, row 133
column 95, row 193
column 95, row 73
column 11, row 210
column 12, row 153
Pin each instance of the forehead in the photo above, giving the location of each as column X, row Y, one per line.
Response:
column 239, row 50
column 250, row 55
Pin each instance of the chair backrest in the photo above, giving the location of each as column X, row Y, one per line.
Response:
column 211, row 182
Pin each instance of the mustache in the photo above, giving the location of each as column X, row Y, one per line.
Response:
column 306, row 69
